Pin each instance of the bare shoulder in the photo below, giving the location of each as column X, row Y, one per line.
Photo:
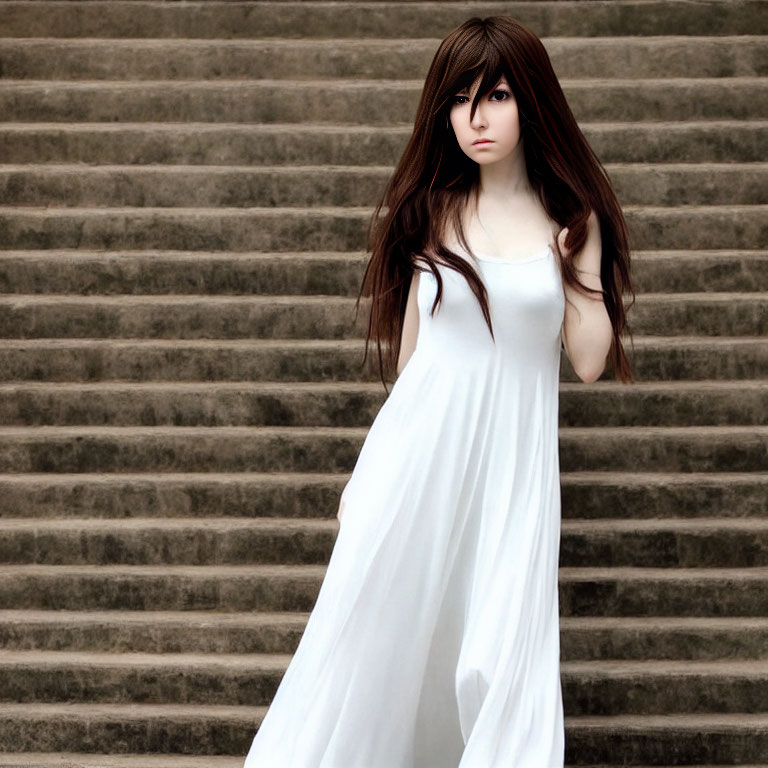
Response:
column 593, row 231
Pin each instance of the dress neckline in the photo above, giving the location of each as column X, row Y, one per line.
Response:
column 538, row 257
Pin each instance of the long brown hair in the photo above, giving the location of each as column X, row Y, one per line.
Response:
column 434, row 181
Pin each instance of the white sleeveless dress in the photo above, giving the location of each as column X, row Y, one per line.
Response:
column 434, row 641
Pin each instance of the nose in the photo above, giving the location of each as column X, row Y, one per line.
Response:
column 478, row 121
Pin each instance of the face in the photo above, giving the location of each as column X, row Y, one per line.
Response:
column 496, row 118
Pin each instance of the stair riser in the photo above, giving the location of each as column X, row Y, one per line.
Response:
column 594, row 644
column 335, row 361
column 80, row 495
column 215, row 736
column 208, row 187
column 155, row 684
column 743, row 496
column 651, row 746
column 606, row 596
column 165, row 683
column 696, row 451
column 246, row 144
column 93, row 760
column 152, row 636
column 359, row 21
column 667, row 549
column 585, row 694
column 187, row 636
column 215, row 273
column 295, row 102
column 94, row 361
column 201, row 735
column 741, row 449
column 390, row 59
column 49, row 545
column 232, row 547
column 26, row 406
column 339, row 229
column 650, row 596
column 191, row 318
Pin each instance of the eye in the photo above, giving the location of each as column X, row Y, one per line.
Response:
column 503, row 91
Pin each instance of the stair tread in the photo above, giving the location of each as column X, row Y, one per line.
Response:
column 11, row 616
column 18, row 300
column 154, row 760
column 660, row 126
column 758, row 573
column 93, row 760
column 288, row 525
column 575, row 477
column 56, row 660
column 647, row 430
column 678, row 386
column 361, row 211
column 367, row 82
column 640, row 341
column 243, row 713
column 333, row 43
column 67, row 710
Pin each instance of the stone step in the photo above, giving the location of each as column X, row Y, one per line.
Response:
column 660, row 543
column 214, row 186
column 335, row 449
column 600, row 591
column 699, row 738
column 322, row 101
column 42, row 58
column 362, row 21
column 618, row 687
column 163, row 632
column 705, row 542
column 302, row 144
column 250, row 680
column 86, row 760
column 341, row 228
column 683, row 358
column 626, row 590
column 347, row 404
column 202, row 316
column 209, row 495
column 661, row 637
column 90, row 272
column 186, row 729
column 592, row 495
column 719, row 739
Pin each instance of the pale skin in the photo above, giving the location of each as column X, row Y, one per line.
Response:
column 510, row 213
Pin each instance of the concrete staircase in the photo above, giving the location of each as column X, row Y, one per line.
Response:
column 185, row 189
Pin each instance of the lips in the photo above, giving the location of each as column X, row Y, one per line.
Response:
column 482, row 141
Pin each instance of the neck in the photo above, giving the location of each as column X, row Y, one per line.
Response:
column 505, row 179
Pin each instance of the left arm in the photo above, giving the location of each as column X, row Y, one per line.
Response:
column 587, row 330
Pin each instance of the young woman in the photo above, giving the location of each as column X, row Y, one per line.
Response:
column 434, row 640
